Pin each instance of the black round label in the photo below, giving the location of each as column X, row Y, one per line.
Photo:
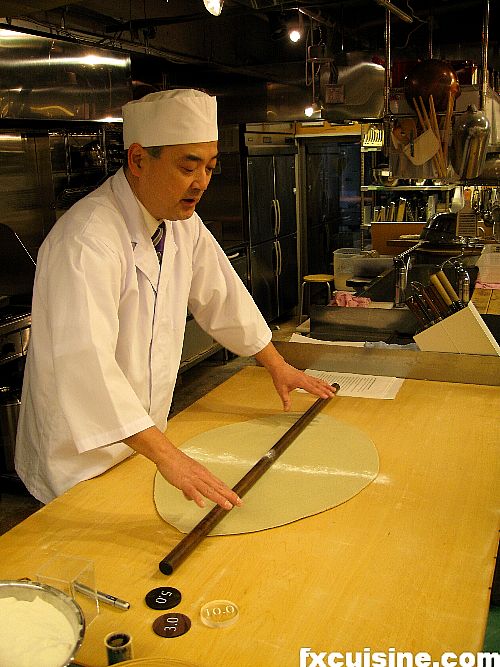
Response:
column 171, row 625
column 163, row 598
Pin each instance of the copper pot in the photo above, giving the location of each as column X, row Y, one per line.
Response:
column 432, row 77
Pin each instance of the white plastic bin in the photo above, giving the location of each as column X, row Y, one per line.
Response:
column 343, row 263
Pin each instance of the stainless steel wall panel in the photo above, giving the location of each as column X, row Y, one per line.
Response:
column 25, row 187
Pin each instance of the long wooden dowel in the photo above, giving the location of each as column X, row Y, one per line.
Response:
column 425, row 127
column 435, row 126
column 429, row 125
column 203, row 527
column 447, row 126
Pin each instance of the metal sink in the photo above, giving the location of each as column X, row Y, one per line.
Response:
column 383, row 287
column 391, row 325
column 387, row 324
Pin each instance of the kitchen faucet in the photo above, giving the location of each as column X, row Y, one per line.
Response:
column 402, row 265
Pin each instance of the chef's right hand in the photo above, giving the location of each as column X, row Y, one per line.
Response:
column 180, row 470
column 196, row 481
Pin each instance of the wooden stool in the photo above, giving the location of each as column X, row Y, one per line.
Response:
column 324, row 278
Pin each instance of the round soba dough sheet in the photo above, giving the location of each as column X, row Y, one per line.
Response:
column 328, row 463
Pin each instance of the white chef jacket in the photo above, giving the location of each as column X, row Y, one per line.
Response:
column 108, row 329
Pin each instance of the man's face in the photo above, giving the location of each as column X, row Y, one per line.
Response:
column 171, row 185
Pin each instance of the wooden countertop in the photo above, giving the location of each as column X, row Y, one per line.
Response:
column 407, row 563
column 487, row 301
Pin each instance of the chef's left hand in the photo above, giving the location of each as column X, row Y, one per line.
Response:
column 286, row 378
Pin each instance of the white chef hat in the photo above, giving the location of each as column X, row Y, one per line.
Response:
column 170, row 117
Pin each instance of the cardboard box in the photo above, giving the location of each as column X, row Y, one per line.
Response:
column 381, row 232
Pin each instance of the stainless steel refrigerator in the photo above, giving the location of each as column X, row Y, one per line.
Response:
column 250, row 204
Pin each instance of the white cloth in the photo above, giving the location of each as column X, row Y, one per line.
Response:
column 170, row 117
column 108, row 329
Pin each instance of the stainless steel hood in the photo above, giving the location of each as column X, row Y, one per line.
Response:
column 52, row 79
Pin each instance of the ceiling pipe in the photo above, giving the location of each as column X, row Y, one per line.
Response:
column 395, row 10
column 387, row 82
column 315, row 16
column 484, row 55
column 430, row 36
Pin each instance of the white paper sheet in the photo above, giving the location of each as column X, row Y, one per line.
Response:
column 362, row 386
column 298, row 338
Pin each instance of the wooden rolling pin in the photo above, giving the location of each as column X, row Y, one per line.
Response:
column 215, row 516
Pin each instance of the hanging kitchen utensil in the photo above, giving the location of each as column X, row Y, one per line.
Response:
column 424, row 147
column 428, row 122
column 467, row 218
column 404, row 132
column 469, row 142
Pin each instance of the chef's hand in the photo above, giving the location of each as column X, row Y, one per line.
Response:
column 193, row 479
column 286, row 378
column 196, row 481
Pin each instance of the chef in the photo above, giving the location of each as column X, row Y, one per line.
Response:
column 109, row 310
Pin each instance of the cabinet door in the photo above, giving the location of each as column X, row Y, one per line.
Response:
column 263, row 277
column 261, row 199
column 287, row 273
column 284, row 169
column 197, row 342
column 323, row 186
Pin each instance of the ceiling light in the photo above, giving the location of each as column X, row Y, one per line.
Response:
column 213, row 6
column 313, row 110
column 295, row 29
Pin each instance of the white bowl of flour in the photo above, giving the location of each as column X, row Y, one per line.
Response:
column 39, row 625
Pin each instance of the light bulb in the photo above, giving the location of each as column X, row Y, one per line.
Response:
column 308, row 111
column 213, row 6
column 294, row 35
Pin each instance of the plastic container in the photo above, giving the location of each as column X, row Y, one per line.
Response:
column 370, row 267
column 343, row 266
column 489, row 264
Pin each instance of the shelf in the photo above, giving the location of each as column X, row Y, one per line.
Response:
column 415, row 188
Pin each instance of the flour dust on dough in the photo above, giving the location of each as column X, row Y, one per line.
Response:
column 327, row 464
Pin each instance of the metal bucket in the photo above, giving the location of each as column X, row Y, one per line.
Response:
column 29, row 590
column 470, row 142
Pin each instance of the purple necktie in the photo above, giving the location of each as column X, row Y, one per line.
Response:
column 158, row 240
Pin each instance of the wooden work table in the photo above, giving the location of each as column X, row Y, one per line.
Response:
column 487, row 301
column 407, row 563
